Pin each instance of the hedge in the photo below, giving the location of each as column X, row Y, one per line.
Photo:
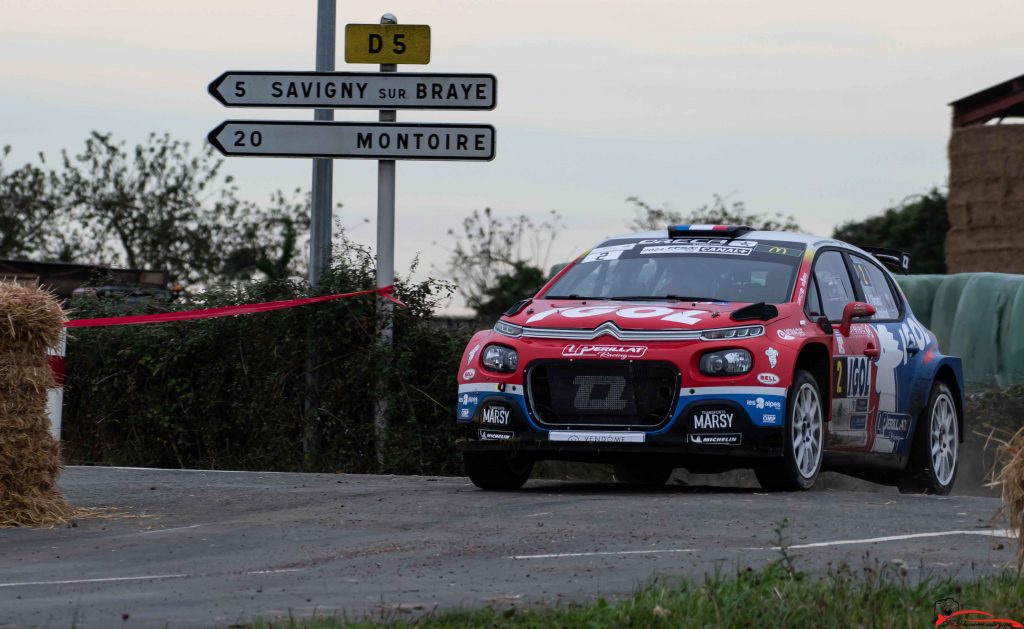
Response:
column 229, row 393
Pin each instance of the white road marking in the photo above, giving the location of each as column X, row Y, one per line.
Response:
column 179, row 528
column 610, row 552
column 893, row 538
column 151, row 577
column 843, row 542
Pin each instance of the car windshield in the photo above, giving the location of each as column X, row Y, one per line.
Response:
column 697, row 269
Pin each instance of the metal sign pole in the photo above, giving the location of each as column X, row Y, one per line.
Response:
column 320, row 224
column 323, row 169
column 385, row 259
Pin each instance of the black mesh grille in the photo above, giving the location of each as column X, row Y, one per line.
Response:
column 602, row 393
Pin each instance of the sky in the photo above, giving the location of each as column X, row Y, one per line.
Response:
column 830, row 112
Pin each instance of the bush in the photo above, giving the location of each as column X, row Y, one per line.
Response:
column 229, row 393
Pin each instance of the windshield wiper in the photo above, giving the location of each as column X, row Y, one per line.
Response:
column 660, row 298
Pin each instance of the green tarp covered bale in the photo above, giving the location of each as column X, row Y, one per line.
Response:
column 977, row 316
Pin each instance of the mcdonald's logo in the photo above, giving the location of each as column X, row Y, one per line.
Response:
column 781, row 250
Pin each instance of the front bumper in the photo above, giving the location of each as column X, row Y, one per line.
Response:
column 706, row 423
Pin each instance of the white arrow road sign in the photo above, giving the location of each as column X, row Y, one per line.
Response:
column 367, row 140
column 356, row 90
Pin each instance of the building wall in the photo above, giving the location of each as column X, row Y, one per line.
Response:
column 986, row 199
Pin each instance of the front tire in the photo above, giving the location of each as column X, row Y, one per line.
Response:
column 804, row 440
column 501, row 471
column 934, row 455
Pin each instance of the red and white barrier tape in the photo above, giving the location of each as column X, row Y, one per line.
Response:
column 225, row 311
column 56, row 395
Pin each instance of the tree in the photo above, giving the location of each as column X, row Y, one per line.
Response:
column 496, row 261
column 163, row 206
column 523, row 280
column 32, row 220
column 917, row 225
column 269, row 238
column 649, row 218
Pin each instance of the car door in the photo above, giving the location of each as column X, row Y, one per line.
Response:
column 899, row 339
column 831, row 288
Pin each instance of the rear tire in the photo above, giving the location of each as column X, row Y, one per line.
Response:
column 935, row 453
column 501, row 471
column 643, row 475
column 803, row 440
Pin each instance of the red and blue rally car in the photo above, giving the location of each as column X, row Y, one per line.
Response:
column 713, row 347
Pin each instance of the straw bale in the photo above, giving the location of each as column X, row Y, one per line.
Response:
column 23, row 371
column 986, row 199
column 1008, row 474
column 31, row 320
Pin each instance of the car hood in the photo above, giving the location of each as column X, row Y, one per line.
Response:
column 627, row 315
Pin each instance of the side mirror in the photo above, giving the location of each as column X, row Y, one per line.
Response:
column 854, row 310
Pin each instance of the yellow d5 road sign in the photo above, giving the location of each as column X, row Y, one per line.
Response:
column 387, row 43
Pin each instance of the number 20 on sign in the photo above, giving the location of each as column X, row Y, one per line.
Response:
column 387, row 43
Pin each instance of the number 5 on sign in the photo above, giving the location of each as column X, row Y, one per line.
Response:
column 387, row 43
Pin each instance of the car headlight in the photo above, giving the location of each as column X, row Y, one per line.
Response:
column 726, row 362
column 508, row 329
column 743, row 332
column 501, row 358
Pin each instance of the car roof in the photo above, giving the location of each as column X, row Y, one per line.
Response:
column 808, row 240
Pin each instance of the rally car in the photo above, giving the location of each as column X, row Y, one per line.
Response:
column 714, row 347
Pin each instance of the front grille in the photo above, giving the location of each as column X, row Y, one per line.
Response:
column 602, row 393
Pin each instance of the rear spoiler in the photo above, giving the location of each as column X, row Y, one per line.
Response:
column 891, row 257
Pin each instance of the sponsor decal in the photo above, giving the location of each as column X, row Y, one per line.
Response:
column 851, row 376
column 769, row 418
column 858, row 422
column 790, row 334
column 464, row 413
column 708, row 419
column 767, row 378
column 840, row 343
column 746, row 244
column 472, row 353
column 773, row 356
column 913, row 333
column 685, row 317
column 596, row 437
column 466, row 399
column 611, row 252
column 604, row 351
column 496, row 415
column 723, row 439
column 762, row 403
column 494, row 435
column 469, row 374
column 803, row 289
column 718, row 249
column 892, row 426
column 599, row 393
column 861, row 405
column 950, row 613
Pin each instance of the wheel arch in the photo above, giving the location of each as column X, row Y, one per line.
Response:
column 814, row 357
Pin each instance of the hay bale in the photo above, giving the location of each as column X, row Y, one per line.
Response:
column 986, row 199
column 31, row 321
column 1009, row 476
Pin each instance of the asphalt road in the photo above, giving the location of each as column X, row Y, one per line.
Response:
column 188, row 548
